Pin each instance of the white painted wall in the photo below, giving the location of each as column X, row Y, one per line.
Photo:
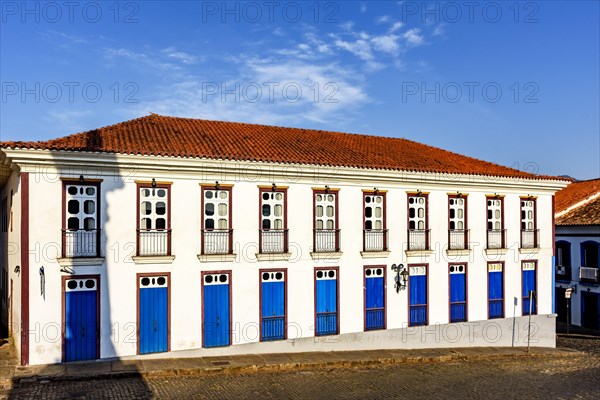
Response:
column 118, row 273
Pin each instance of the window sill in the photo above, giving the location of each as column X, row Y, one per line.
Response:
column 495, row 252
column 529, row 250
column 217, row 257
column 326, row 255
column 80, row 261
column 418, row 253
column 374, row 254
column 273, row 256
column 153, row 259
column 458, row 252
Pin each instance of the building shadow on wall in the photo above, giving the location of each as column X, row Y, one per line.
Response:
column 88, row 331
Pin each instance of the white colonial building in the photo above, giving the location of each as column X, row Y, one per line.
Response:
column 166, row 234
column 577, row 250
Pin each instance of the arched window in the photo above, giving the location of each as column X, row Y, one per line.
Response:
column 589, row 254
column 563, row 253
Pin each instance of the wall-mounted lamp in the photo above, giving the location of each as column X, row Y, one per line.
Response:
column 273, row 187
column 496, row 195
column 458, row 194
column 67, row 270
column 375, row 191
column 153, row 183
column 17, row 269
column 326, row 189
column 419, row 193
column 401, row 276
column 217, row 186
column 80, row 178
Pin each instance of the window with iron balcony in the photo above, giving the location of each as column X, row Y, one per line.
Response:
column 273, row 234
column 375, row 234
column 529, row 232
column 563, row 261
column 496, row 234
column 326, row 235
column 81, row 219
column 217, row 232
column 458, row 234
column 589, row 272
column 154, row 219
column 418, row 224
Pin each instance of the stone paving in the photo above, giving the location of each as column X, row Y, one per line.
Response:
column 480, row 374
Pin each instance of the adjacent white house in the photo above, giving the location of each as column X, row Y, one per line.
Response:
column 163, row 234
column 577, row 249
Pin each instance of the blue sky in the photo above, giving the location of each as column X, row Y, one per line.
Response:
column 512, row 83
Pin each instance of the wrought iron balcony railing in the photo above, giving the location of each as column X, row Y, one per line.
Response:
column 273, row 241
column 418, row 239
column 375, row 240
column 326, row 240
column 80, row 243
column 217, row 241
column 154, row 242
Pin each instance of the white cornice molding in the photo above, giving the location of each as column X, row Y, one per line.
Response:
column 33, row 160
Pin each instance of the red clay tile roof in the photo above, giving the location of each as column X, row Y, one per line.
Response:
column 587, row 214
column 575, row 193
column 186, row 137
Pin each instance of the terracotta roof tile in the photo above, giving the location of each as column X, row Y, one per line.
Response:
column 186, row 137
column 587, row 214
column 575, row 193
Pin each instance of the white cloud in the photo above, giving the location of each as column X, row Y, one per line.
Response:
column 184, row 57
column 147, row 59
column 360, row 48
column 363, row 7
column 439, row 30
column 383, row 19
column 413, row 37
column 395, row 26
column 386, row 43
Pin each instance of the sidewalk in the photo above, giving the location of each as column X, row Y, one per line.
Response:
column 11, row 373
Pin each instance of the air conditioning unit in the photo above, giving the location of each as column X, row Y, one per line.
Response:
column 588, row 274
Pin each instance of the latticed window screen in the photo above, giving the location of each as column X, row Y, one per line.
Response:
column 417, row 212
column 494, row 214
column 457, row 213
column 527, row 214
column 272, row 210
column 374, row 213
column 216, row 209
column 325, row 211
column 82, row 207
column 154, row 208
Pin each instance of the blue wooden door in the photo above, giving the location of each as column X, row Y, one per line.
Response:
column 154, row 314
column 417, row 302
column 326, row 307
column 272, row 314
column 216, row 326
column 374, row 298
column 458, row 293
column 81, row 319
column 528, row 285
column 495, row 290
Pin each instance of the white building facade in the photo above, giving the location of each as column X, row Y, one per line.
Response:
column 112, row 254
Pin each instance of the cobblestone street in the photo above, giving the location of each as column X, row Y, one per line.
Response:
column 551, row 377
